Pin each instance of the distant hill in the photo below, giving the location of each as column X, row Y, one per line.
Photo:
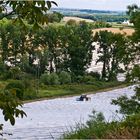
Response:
column 95, row 15
column 67, row 11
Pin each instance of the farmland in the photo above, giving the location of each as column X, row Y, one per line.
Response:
column 49, row 119
column 66, row 19
column 125, row 31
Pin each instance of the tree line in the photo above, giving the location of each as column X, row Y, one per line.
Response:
column 63, row 48
column 60, row 48
column 104, row 18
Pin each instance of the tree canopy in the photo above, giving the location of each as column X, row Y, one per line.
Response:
column 32, row 11
column 131, row 106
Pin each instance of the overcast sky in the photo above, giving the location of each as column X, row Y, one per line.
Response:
column 97, row 4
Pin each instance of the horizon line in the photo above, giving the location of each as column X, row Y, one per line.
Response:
column 88, row 9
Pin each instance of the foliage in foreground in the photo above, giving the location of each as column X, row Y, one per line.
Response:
column 98, row 128
column 127, row 128
column 31, row 11
column 9, row 104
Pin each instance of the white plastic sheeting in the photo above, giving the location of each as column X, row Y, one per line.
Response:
column 50, row 118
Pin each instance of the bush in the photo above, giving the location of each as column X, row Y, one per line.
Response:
column 50, row 79
column 27, row 83
column 134, row 74
column 6, row 75
column 27, row 80
column 88, row 79
column 45, row 79
column 95, row 75
column 79, row 79
column 15, row 72
column 2, row 67
column 12, row 73
column 16, row 87
column 64, row 77
column 98, row 128
column 30, row 94
column 71, row 22
column 54, row 79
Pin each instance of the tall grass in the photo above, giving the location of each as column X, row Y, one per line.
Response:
column 34, row 90
column 74, row 89
column 98, row 128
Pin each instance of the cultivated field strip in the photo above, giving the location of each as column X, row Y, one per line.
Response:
column 47, row 133
column 49, row 119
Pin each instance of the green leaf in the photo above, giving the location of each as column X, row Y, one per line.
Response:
column 12, row 120
column 54, row 3
column 6, row 118
column 49, row 4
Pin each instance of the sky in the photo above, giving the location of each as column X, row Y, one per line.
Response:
column 97, row 4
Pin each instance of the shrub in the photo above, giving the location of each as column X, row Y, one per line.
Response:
column 2, row 67
column 29, row 94
column 95, row 75
column 12, row 73
column 50, row 79
column 71, row 22
column 88, row 79
column 27, row 83
column 15, row 72
column 64, row 77
column 54, row 79
column 45, row 79
column 16, row 87
column 6, row 75
column 98, row 128
column 79, row 79
column 27, row 80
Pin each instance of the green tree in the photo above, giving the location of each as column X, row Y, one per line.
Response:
column 55, row 17
column 120, row 54
column 68, row 48
column 49, row 39
column 113, row 50
column 79, row 48
column 103, row 38
column 131, row 106
column 134, row 13
column 5, row 28
column 32, row 11
column 9, row 104
column 12, row 41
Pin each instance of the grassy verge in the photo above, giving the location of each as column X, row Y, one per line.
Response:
column 47, row 92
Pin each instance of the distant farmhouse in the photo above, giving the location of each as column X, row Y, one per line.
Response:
column 127, row 22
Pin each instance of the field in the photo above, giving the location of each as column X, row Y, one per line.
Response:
column 125, row 31
column 116, row 28
column 65, row 19
column 49, row 119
